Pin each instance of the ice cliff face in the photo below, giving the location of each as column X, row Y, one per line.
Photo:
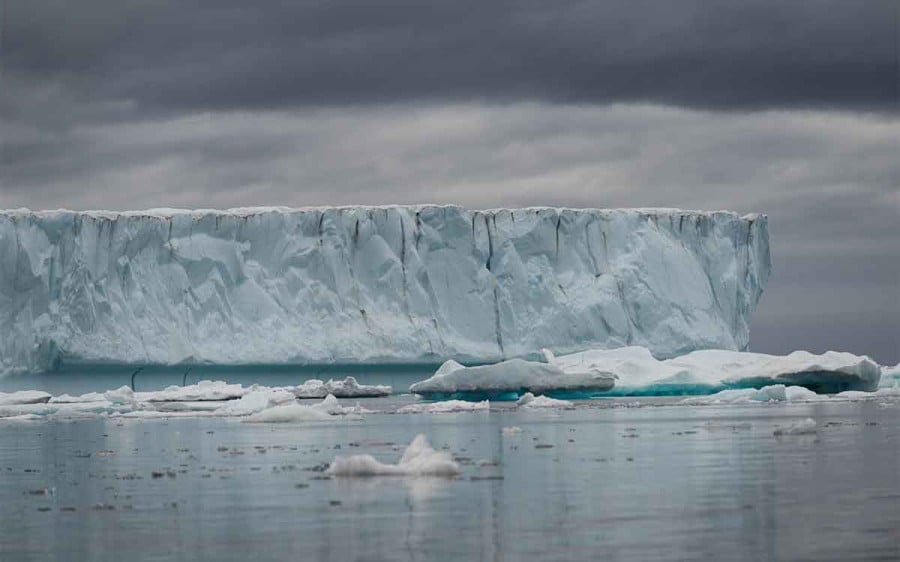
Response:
column 383, row 284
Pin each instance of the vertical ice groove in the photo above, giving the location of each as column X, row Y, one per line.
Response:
column 316, row 285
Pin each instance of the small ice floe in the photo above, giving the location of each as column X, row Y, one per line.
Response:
column 24, row 397
column 804, row 427
column 255, row 401
column 529, row 400
column 295, row 412
column 514, row 376
column 80, row 399
column 511, row 430
column 347, row 388
column 121, row 395
column 445, row 407
column 771, row 393
column 202, row 391
column 419, row 459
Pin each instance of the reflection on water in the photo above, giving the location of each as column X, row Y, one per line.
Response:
column 614, row 483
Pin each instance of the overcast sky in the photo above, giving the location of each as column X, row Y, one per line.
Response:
column 788, row 108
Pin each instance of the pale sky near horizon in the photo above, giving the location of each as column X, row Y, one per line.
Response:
column 784, row 108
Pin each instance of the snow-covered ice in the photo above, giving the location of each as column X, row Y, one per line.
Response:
column 699, row 372
column 347, row 388
column 529, row 400
column 419, row 459
column 23, row 397
column 295, row 412
column 203, row 390
column 515, row 376
column 371, row 284
column 445, row 407
column 255, row 401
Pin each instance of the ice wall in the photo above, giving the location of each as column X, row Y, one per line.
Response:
column 371, row 284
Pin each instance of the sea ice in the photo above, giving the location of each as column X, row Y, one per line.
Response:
column 419, row 459
column 529, row 400
column 255, row 401
column 513, row 377
column 445, row 407
column 347, row 388
column 701, row 372
column 771, row 393
column 203, row 390
column 287, row 413
column 24, row 397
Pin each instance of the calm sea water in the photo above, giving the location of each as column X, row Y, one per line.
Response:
column 603, row 481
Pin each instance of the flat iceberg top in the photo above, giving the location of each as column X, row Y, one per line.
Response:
column 371, row 285
column 165, row 212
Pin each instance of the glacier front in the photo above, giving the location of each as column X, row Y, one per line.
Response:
column 371, row 284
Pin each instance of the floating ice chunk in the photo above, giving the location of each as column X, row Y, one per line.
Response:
column 702, row 371
column 529, row 400
column 890, row 376
column 23, row 397
column 803, row 427
column 347, row 388
column 771, row 393
column 548, row 355
column 445, row 407
column 514, row 376
column 122, row 395
column 255, row 401
column 88, row 397
column 203, row 390
column 419, row 459
column 301, row 412
column 511, row 430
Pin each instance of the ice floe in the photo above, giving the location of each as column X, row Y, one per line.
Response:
column 419, row 459
column 445, row 407
column 347, row 388
column 701, row 372
column 529, row 400
column 24, row 397
column 511, row 379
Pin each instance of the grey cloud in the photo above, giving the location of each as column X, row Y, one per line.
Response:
column 227, row 55
column 828, row 181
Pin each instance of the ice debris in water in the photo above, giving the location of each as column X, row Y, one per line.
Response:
column 23, row 397
column 529, row 400
column 512, row 376
column 445, row 407
column 803, row 427
column 287, row 413
column 255, row 401
column 771, row 393
column 511, row 430
column 347, row 388
column 122, row 395
column 419, row 459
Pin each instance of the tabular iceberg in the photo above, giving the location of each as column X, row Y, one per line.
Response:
column 371, row 284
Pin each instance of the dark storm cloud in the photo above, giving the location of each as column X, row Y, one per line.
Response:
column 221, row 54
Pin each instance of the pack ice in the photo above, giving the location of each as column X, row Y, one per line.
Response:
column 371, row 284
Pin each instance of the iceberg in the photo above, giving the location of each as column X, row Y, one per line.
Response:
column 511, row 379
column 890, row 376
column 707, row 371
column 419, row 459
column 412, row 284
